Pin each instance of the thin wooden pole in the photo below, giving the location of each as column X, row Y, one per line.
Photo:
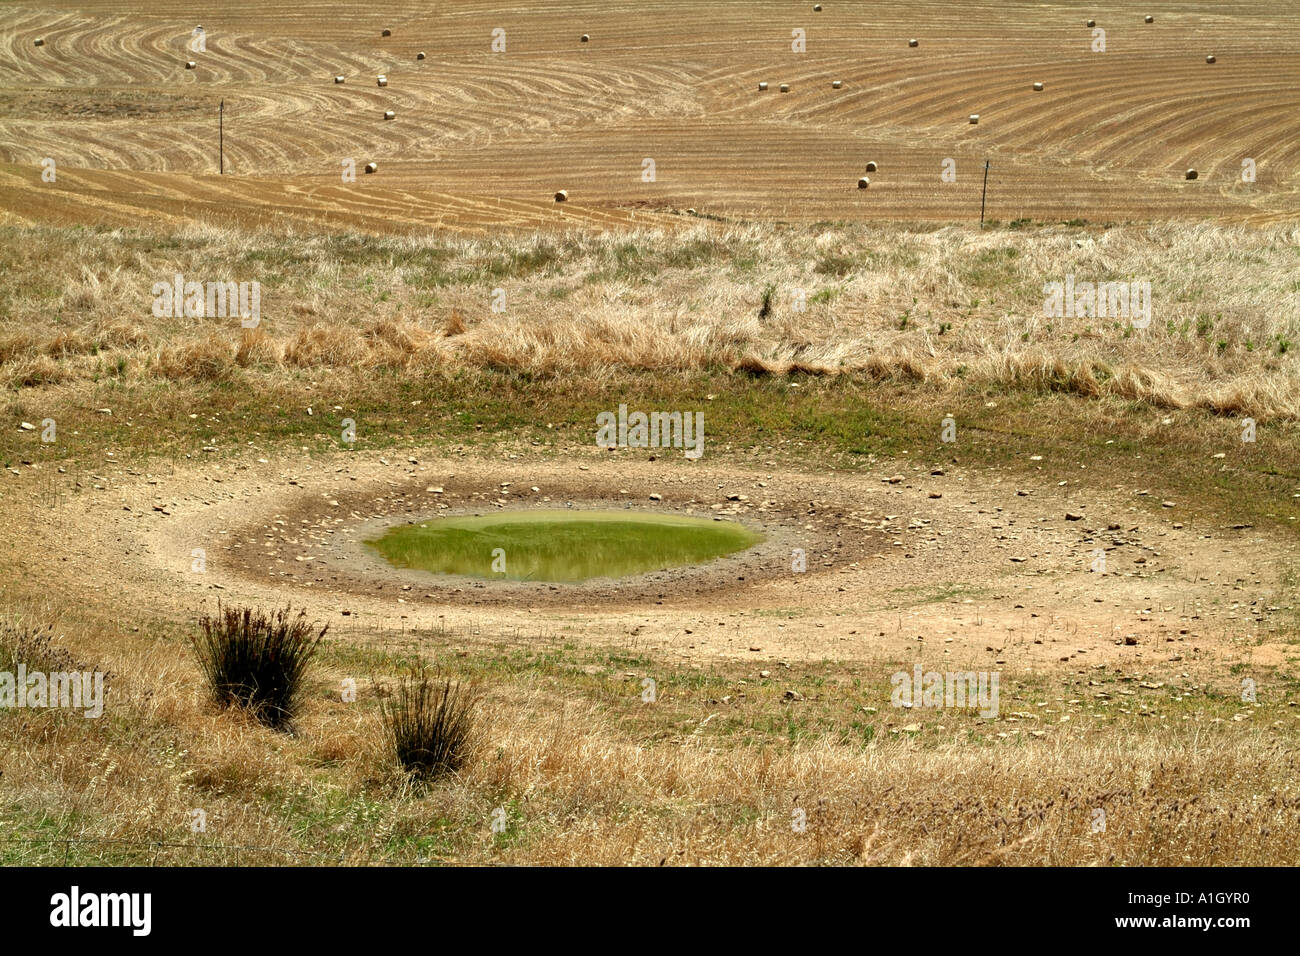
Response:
column 984, row 192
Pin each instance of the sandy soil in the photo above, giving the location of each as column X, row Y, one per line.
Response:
column 961, row 567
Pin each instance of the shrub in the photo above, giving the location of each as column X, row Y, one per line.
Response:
column 257, row 661
column 429, row 724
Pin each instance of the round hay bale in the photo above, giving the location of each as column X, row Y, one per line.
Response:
column 871, row 166
column 40, row 41
column 836, row 84
column 586, row 38
column 190, row 65
column 1092, row 23
column 420, row 55
column 340, row 78
column 690, row 212
column 1149, row 19
column 913, row 42
column 562, row 196
column 386, row 33
column 817, row 8
column 371, row 167
column 864, row 182
column 785, row 87
column 1191, row 174
column 1210, row 58
column 1038, row 87
column 974, row 118
column 381, row 80
column 389, row 114
column 762, row 86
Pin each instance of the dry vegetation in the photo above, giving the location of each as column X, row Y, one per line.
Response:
column 582, row 770
column 377, row 301
column 586, row 773
column 938, row 306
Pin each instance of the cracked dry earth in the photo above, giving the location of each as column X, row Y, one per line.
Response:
column 945, row 566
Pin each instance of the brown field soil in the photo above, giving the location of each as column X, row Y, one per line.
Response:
column 976, row 567
column 482, row 140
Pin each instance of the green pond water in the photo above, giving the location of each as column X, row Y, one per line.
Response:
column 560, row 545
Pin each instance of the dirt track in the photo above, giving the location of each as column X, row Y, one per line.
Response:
column 989, row 573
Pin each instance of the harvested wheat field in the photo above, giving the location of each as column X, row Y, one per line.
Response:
column 1008, row 433
column 482, row 139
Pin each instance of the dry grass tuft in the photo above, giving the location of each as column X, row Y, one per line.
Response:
column 329, row 345
column 395, row 344
column 210, row 359
column 256, row 349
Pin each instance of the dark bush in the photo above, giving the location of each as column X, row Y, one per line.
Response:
column 257, row 661
column 429, row 723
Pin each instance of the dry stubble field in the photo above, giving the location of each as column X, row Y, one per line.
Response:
column 1121, row 691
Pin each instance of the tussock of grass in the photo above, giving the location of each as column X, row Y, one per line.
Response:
column 210, row 359
column 430, row 724
column 33, row 371
column 256, row 349
column 257, row 661
column 324, row 345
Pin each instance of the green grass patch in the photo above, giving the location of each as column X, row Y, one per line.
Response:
column 558, row 545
